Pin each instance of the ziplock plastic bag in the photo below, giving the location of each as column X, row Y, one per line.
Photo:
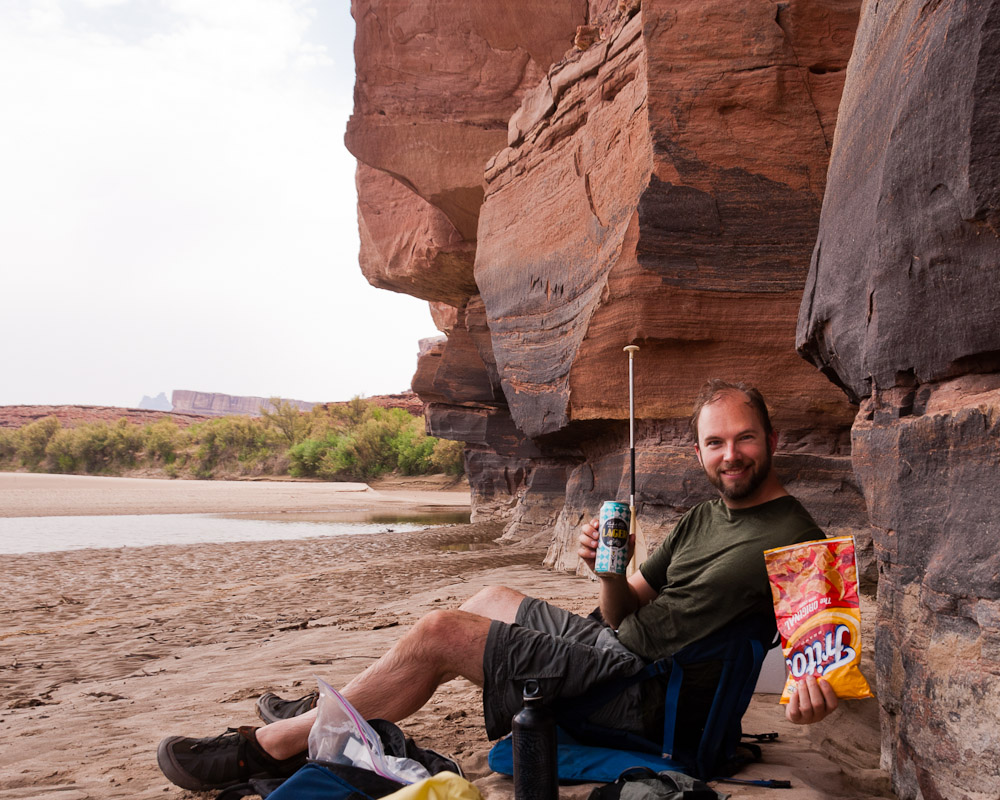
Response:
column 341, row 736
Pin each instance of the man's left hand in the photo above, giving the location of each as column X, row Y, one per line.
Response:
column 812, row 701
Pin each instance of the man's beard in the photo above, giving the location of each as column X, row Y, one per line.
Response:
column 745, row 487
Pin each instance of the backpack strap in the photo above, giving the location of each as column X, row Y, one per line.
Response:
column 670, row 705
column 722, row 729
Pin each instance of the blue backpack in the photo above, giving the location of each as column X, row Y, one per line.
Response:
column 334, row 782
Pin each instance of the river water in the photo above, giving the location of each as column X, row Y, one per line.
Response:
column 51, row 534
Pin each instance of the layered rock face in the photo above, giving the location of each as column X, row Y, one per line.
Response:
column 900, row 311
column 436, row 84
column 652, row 176
column 663, row 188
column 408, row 245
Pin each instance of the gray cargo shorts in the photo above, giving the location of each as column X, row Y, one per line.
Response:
column 567, row 654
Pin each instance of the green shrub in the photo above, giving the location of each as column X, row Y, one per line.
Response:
column 307, row 457
column 91, row 446
column 98, row 447
column 339, row 462
column 95, row 447
column 372, row 442
column 354, row 441
column 369, row 452
column 413, row 451
column 125, row 444
column 233, row 444
column 8, row 446
column 448, row 457
column 353, row 412
column 32, row 440
column 163, row 440
column 60, row 452
column 287, row 420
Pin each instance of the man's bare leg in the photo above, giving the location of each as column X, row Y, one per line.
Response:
column 494, row 602
column 439, row 647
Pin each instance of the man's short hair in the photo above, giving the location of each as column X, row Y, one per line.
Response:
column 716, row 388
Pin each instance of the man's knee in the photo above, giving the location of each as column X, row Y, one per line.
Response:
column 449, row 641
column 441, row 630
column 494, row 602
column 434, row 625
column 483, row 596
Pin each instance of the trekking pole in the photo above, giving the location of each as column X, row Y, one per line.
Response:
column 633, row 524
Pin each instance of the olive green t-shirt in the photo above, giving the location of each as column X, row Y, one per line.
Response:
column 710, row 571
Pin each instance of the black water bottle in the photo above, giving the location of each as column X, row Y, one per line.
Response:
column 536, row 774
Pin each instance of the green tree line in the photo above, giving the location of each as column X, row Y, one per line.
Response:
column 355, row 441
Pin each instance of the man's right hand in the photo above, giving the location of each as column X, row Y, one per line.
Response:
column 590, row 535
column 619, row 596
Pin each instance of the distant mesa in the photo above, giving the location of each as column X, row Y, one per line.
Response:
column 213, row 404
column 158, row 403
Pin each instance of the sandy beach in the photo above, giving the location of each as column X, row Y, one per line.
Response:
column 35, row 495
column 104, row 652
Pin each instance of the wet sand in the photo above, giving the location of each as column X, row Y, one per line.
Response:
column 104, row 652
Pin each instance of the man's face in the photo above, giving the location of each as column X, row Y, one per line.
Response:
column 733, row 449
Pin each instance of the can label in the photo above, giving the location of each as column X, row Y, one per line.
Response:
column 612, row 547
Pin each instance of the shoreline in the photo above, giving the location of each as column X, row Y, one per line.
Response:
column 28, row 494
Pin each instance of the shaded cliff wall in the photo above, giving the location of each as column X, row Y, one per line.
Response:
column 901, row 311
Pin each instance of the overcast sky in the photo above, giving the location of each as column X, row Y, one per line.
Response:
column 177, row 208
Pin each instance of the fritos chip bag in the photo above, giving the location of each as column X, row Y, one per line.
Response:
column 814, row 586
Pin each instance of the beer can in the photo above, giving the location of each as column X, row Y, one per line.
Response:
column 612, row 547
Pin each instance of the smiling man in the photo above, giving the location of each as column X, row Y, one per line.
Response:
column 734, row 443
column 708, row 573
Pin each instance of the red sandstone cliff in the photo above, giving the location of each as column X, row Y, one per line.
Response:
column 657, row 184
